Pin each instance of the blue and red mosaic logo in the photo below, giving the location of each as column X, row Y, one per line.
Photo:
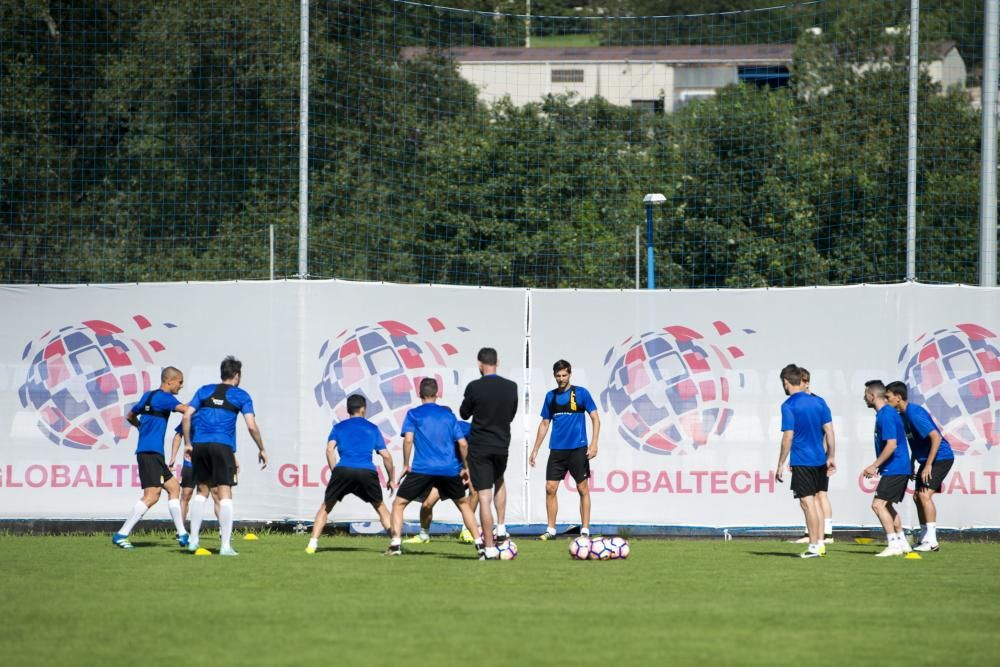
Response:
column 83, row 378
column 671, row 389
column 385, row 363
column 955, row 374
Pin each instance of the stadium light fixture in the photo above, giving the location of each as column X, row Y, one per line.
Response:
column 651, row 200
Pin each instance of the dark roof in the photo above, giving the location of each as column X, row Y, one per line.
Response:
column 707, row 54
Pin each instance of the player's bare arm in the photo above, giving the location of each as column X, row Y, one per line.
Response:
column 543, row 429
column 255, row 434
column 890, row 447
column 331, row 454
column 786, row 446
column 830, row 440
column 595, row 422
column 390, row 470
column 932, row 453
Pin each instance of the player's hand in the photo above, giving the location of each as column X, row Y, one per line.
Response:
column 778, row 477
column 262, row 459
column 531, row 459
column 871, row 471
column 188, row 450
column 237, row 467
column 465, row 476
column 172, row 462
column 831, row 467
column 592, row 452
column 925, row 476
column 390, row 486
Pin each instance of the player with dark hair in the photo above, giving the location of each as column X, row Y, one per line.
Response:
column 213, row 451
column 432, row 498
column 439, row 462
column 803, row 425
column 829, row 444
column 150, row 415
column 569, row 451
column 491, row 402
column 354, row 440
column 892, row 462
column 932, row 452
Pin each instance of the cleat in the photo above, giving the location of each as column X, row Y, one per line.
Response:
column 228, row 551
column 121, row 541
column 810, row 553
column 927, row 546
column 802, row 540
column 465, row 537
column 182, row 540
column 822, row 549
column 310, row 550
column 417, row 539
column 905, row 547
column 889, row 552
column 393, row 551
column 546, row 536
column 490, row 553
column 192, row 546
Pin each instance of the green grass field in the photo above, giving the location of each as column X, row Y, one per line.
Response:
column 78, row 600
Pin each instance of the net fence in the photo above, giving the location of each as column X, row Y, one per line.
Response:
column 481, row 145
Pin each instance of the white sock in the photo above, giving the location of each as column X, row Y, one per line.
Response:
column 423, row 533
column 313, row 543
column 395, row 542
column 137, row 511
column 828, row 527
column 891, row 539
column 197, row 511
column 226, row 522
column 551, row 530
column 501, row 529
column 901, row 536
column 930, row 535
column 175, row 513
column 585, row 532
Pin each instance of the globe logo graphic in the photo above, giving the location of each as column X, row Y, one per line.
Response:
column 955, row 374
column 83, row 379
column 385, row 363
column 671, row 389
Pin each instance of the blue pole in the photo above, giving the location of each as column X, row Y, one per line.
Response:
column 650, row 282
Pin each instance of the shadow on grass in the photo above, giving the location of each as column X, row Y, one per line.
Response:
column 340, row 549
column 778, row 554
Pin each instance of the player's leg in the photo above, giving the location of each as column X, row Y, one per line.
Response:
column 186, row 494
column 198, row 503
column 426, row 518
column 500, row 503
column 813, row 517
column 319, row 523
column 482, row 477
column 467, row 536
column 824, row 503
column 579, row 468
column 468, row 518
column 924, row 499
column 486, row 517
column 396, row 526
column 551, row 508
column 883, row 510
column 224, row 493
column 173, row 489
column 383, row 516
column 583, row 488
column 149, row 497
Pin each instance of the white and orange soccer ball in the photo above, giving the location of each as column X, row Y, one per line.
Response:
column 580, row 548
column 599, row 549
column 619, row 547
column 508, row 550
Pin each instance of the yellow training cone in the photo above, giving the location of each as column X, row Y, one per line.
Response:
column 201, row 551
column 249, row 536
column 913, row 555
column 863, row 540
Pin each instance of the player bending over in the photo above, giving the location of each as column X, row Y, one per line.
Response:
column 427, row 504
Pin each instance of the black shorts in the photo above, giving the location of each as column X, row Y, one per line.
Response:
column 416, row 485
column 153, row 470
column 892, row 488
column 808, row 480
column 939, row 471
column 187, row 477
column 214, row 464
column 362, row 483
column 486, row 468
column 573, row 461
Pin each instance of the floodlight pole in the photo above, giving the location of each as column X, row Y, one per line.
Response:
column 650, row 201
column 304, row 140
column 988, row 165
column 911, row 145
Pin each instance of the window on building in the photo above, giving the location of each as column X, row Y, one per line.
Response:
column 567, row 76
column 765, row 77
column 650, row 106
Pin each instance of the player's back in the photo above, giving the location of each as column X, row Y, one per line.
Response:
column 435, row 430
column 357, row 439
column 154, row 408
column 804, row 415
column 491, row 402
column 216, row 408
column 921, row 424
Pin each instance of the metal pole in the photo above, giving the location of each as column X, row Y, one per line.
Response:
column 271, row 239
column 527, row 24
column 637, row 256
column 304, row 140
column 988, row 166
column 650, row 282
column 911, row 145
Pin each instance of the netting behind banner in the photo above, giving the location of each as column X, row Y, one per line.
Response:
column 479, row 145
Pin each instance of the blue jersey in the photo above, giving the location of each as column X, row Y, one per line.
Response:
column 180, row 431
column 435, row 430
column 827, row 415
column 568, row 410
column 215, row 419
column 465, row 428
column 921, row 425
column 153, row 425
column 804, row 415
column 357, row 439
column 889, row 426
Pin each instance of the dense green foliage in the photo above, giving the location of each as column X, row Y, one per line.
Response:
column 80, row 601
column 144, row 140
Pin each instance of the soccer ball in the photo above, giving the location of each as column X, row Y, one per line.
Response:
column 580, row 548
column 599, row 549
column 508, row 550
column 618, row 546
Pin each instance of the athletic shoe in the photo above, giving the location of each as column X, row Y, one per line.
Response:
column 546, row 536
column 417, row 539
column 802, row 540
column 500, row 539
column 228, row 551
column 465, row 537
column 310, row 550
column 810, row 553
column 822, row 549
column 192, row 546
column 889, row 551
column 121, row 541
column 905, row 547
column 182, row 540
column 927, row 546
column 393, row 550
column 490, row 553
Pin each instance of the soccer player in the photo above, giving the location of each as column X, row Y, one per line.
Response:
column 354, row 440
column 432, row 498
column 932, row 452
column 187, row 472
column 213, row 450
column 438, row 462
column 822, row 496
column 803, row 428
column 569, row 451
column 150, row 416
column 491, row 402
column 892, row 462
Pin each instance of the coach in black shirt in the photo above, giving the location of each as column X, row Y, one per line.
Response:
column 491, row 401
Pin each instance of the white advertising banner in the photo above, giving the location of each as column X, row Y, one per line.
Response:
column 685, row 383
column 687, row 388
column 75, row 359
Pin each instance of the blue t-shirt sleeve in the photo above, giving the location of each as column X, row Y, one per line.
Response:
column 921, row 422
column 378, row 442
column 825, row 415
column 457, row 432
column 247, row 404
column 887, row 426
column 787, row 418
column 546, row 414
column 196, row 401
column 407, row 425
column 166, row 401
column 466, row 428
column 180, row 429
column 587, row 401
column 333, row 434
column 141, row 401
